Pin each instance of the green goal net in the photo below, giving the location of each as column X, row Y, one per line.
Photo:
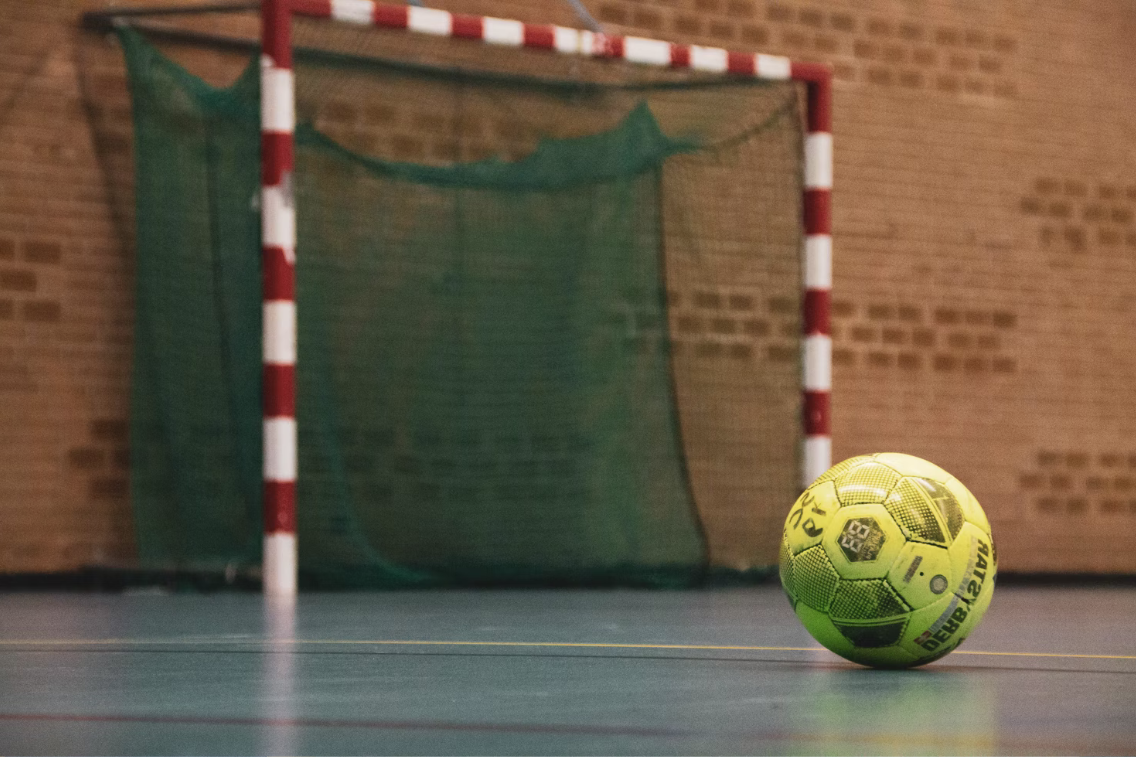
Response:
column 548, row 317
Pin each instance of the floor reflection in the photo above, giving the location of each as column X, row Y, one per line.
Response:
column 278, row 703
column 919, row 711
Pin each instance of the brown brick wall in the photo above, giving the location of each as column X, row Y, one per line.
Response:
column 64, row 311
column 985, row 260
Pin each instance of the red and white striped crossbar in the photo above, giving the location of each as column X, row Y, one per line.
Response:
column 279, row 213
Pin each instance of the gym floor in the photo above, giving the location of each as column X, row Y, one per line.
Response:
column 1051, row 670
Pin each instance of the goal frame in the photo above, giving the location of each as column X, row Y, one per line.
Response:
column 278, row 217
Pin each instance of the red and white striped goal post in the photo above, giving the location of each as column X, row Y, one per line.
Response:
column 279, row 216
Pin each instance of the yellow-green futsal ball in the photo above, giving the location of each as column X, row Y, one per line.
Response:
column 888, row 560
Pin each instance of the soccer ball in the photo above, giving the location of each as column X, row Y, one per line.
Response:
column 888, row 560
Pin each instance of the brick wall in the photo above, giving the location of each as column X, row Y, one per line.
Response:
column 985, row 265
column 65, row 320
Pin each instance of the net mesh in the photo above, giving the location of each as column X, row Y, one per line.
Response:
column 548, row 324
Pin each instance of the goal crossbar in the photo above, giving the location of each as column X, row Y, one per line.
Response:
column 278, row 216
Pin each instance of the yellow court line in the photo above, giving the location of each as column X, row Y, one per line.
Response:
column 387, row 642
column 1049, row 654
column 80, row 642
column 675, row 646
column 554, row 644
column 581, row 644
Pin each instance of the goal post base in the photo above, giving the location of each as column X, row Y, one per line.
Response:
column 280, row 565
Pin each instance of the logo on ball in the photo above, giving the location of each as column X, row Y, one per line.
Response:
column 861, row 540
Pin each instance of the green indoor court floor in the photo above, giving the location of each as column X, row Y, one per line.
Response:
column 1052, row 670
